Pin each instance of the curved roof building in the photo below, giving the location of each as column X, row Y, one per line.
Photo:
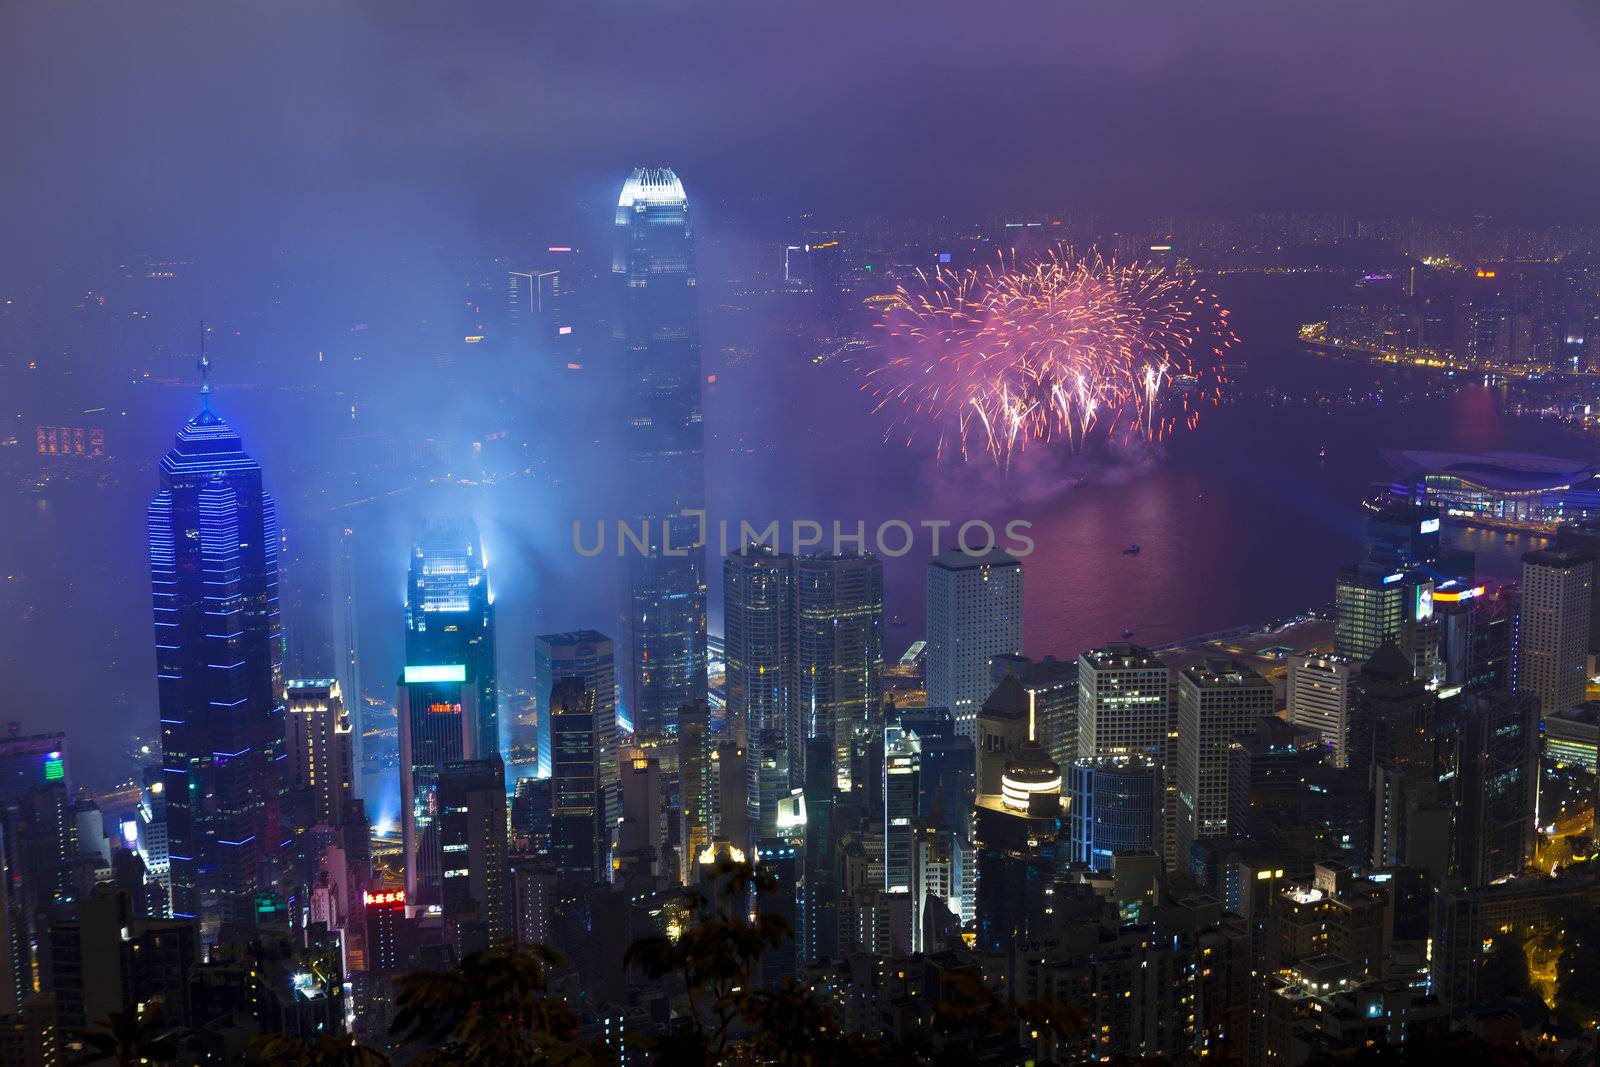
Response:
column 1498, row 488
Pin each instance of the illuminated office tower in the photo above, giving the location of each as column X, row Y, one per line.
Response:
column 1123, row 697
column 321, row 758
column 1125, row 711
column 1477, row 636
column 974, row 613
column 574, row 799
column 214, row 581
column 656, row 330
column 1553, row 634
column 439, row 724
column 758, row 643
column 1319, row 694
column 1374, row 604
column 902, row 766
column 1217, row 701
column 1114, row 805
column 838, row 648
column 590, row 657
column 473, row 849
column 450, row 615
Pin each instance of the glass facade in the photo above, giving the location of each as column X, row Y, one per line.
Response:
column 664, row 613
column 213, row 536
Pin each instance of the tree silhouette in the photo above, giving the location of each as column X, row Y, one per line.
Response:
column 127, row 1038
column 330, row 1050
column 494, row 1009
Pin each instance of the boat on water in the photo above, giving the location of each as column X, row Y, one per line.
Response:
column 1127, row 634
column 1132, row 550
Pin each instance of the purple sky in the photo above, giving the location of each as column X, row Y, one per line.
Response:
column 242, row 122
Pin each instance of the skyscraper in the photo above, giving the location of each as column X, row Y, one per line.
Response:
column 214, row 582
column 472, row 842
column 974, row 613
column 1319, row 697
column 590, row 657
column 1374, row 603
column 450, row 616
column 1554, row 629
column 758, row 639
column 838, row 648
column 664, row 612
column 1217, row 701
column 321, row 757
column 1125, row 711
column 438, row 725
column 574, row 822
column 1498, row 776
column 1123, row 697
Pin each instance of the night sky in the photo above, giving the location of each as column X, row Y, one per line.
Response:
column 199, row 124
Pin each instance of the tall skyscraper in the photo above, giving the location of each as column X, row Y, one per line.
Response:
column 1498, row 786
column 758, row 642
column 214, row 582
column 1125, row 712
column 590, row 657
column 1319, row 694
column 438, row 725
column 472, row 843
column 1217, row 701
column 974, row 613
column 838, row 648
column 1553, row 635
column 575, row 800
column 1374, row 603
column 321, row 757
column 664, row 612
column 450, row 616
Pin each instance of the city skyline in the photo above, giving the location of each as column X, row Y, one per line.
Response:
column 1098, row 522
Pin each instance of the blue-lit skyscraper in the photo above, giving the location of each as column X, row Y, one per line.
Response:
column 664, row 608
column 214, row 580
column 450, row 616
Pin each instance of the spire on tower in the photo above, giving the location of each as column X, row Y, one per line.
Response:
column 205, row 373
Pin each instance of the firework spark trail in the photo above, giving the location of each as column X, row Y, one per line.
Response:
column 1060, row 351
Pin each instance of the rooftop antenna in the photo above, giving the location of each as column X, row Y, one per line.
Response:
column 205, row 372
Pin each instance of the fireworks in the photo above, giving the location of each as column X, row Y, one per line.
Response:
column 1058, row 353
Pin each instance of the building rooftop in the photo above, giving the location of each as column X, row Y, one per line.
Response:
column 956, row 560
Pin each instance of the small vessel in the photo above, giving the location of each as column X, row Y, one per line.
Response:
column 1126, row 634
column 1322, row 453
column 1131, row 550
